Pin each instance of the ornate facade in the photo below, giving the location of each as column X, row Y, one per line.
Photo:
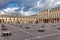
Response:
column 46, row 16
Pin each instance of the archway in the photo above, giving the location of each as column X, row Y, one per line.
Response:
column 18, row 22
column 3, row 20
column 36, row 22
column 0, row 20
column 30, row 21
column 45, row 20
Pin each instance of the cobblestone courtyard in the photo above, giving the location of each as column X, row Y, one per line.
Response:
column 30, row 31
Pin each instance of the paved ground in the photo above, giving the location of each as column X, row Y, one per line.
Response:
column 21, row 33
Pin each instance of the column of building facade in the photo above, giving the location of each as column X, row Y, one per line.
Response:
column 13, row 19
column 6, row 19
column 50, row 20
column 59, row 16
column 2, row 20
column 50, row 16
column 22, row 20
column 18, row 20
column 39, row 20
column 59, row 20
column 42, row 20
column 26, row 20
column 9, row 19
column 34, row 20
column 55, row 18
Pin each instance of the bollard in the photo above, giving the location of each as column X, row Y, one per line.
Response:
column 6, row 33
column 41, row 30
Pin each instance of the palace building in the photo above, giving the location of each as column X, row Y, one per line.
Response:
column 45, row 16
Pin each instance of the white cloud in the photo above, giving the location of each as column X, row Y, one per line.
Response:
column 25, row 13
column 38, row 5
column 1, row 12
column 57, row 3
column 12, row 10
column 52, row 3
column 9, row 10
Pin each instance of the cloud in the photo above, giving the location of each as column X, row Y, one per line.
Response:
column 52, row 3
column 57, row 4
column 1, row 12
column 25, row 13
column 27, row 7
column 37, row 5
column 9, row 10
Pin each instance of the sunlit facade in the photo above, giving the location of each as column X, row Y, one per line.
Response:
column 46, row 16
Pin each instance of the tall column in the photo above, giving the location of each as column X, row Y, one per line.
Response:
column 42, row 20
column 17, row 20
column 6, row 20
column 10, row 20
column 59, row 20
column 2, row 20
column 54, row 20
column 38, row 20
column 51, row 20
column 14, row 20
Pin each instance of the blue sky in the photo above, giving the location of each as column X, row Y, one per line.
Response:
column 26, row 7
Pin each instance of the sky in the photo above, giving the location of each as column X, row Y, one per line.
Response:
column 26, row 7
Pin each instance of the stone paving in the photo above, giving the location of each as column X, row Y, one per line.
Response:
column 30, row 31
